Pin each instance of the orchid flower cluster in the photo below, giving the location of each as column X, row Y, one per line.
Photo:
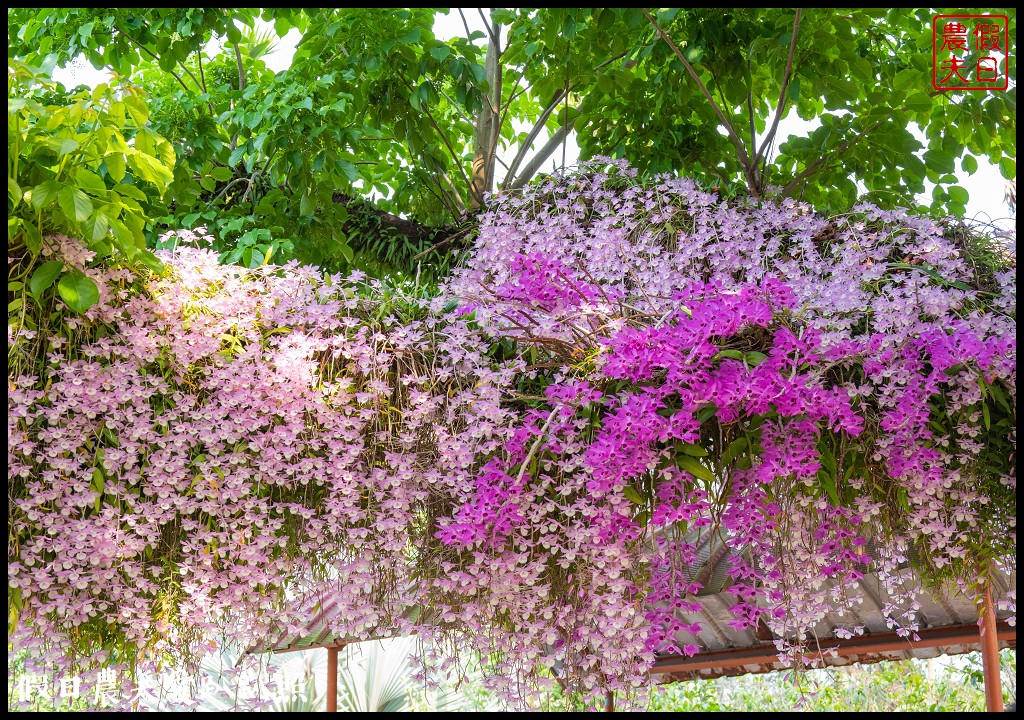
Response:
column 526, row 466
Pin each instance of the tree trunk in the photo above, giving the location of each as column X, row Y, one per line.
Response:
column 485, row 145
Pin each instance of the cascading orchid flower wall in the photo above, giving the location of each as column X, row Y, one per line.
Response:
column 531, row 459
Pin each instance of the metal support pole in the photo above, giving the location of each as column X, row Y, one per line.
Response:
column 609, row 702
column 990, row 657
column 332, row 679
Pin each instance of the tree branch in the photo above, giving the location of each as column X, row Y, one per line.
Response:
column 610, row 60
column 542, row 155
column 457, row 198
column 444, row 138
column 515, row 92
column 750, row 109
column 534, row 132
column 410, row 228
column 740, row 150
column 464, row 23
column 189, row 73
column 813, row 167
column 462, row 113
column 565, row 101
column 241, row 70
column 782, row 92
column 202, row 78
column 430, row 179
column 542, row 121
column 493, row 33
column 152, row 55
column 227, row 187
column 499, row 117
column 446, row 241
column 332, row 58
column 485, row 140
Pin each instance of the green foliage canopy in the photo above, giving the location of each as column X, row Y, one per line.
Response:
column 380, row 137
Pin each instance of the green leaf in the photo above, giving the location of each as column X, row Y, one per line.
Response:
column 14, row 191
column 149, row 168
column 221, row 174
column 905, row 79
column 693, row 54
column 63, row 146
column 236, row 155
column 137, row 109
column 919, row 102
column 706, row 412
column 692, row 450
column 755, row 358
column 115, row 166
column 959, row 195
column 349, row 170
column 827, row 459
column 695, row 468
column 793, row 91
column 98, row 482
column 939, row 161
column 79, row 292
column 346, row 252
column 45, row 193
column 969, row 164
column 411, row 36
column 146, row 141
column 88, row 180
column 307, row 205
column 33, row 241
column 733, row 354
column 986, row 416
column 165, row 153
column 131, row 191
column 96, row 226
column 633, row 496
column 829, row 483
column 151, row 261
column 1001, row 398
column 116, row 113
column 634, row 17
column 252, row 257
column 1008, row 168
column 735, row 447
column 75, row 203
column 440, row 52
column 43, row 277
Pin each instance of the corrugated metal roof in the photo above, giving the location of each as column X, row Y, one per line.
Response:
column 939, row 609
column 870, row 648
column 322, row 613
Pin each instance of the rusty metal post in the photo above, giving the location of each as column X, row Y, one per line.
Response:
column 990, row 657
column 609, row 702
column 332, row 679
